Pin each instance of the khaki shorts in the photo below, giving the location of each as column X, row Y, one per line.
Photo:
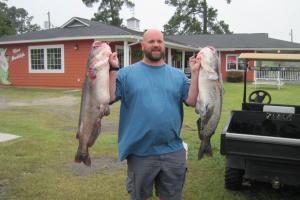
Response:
column 165, row 172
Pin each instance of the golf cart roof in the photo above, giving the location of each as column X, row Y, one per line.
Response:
column 270, row 56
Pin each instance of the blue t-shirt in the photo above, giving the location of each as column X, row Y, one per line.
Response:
column 151, row 110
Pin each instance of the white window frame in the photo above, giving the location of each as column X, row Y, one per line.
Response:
column 237, row 62
column 46, row 70
column 121, row 48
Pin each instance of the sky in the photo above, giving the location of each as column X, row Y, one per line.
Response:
column 278, row 18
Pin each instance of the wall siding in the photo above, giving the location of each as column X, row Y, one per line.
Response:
column 250, row 74
column 74, row 66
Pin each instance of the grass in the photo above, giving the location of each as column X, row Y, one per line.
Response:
column 39, row 165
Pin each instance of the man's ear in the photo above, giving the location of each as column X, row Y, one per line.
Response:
column 142, row 46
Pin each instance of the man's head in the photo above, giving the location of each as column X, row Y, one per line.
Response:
column 153, row 45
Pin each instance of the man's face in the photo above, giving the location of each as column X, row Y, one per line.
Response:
column 153, row 46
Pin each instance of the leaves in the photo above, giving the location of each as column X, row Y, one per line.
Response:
column 108, row 10
column 194, row 17
column 15, row 20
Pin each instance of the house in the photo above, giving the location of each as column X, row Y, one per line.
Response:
column 230, row 46
column 57, row 57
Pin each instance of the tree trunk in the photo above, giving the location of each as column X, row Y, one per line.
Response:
column 205, row 17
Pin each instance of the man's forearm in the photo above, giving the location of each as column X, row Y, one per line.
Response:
column 112, row 86
column 193, row 91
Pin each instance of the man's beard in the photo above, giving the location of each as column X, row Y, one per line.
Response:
column 149, row 55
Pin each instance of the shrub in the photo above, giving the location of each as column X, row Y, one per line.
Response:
column 234, row 76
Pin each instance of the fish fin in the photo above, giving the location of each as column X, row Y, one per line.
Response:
column 209, row 110
column 223, row 90
column 212, row 75
column 199, row 126
column 221, row 87
column 205, row 149
column 104, row 110
column 95, row 132
column 203, row 120
column 205, row 111
column 197, row 108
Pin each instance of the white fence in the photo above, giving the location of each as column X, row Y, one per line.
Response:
column 276, row 75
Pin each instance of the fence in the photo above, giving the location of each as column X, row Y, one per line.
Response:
column 276, row 75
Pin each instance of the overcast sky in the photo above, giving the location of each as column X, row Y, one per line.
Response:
column 275, row 17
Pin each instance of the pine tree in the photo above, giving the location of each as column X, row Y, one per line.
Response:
column 108, row 10
column 195, row 17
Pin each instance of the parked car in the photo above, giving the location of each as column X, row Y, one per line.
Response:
column 187, row 72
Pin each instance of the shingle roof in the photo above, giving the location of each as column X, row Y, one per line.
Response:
column 80, row 28
column 93, row 29
column 235, row 41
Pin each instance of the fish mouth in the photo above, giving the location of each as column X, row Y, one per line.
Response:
column 99, row 44
column 211, row 48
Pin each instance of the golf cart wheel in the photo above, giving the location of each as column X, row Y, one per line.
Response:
column 233, row 178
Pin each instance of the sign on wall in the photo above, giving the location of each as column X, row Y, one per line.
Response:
column 17, row 54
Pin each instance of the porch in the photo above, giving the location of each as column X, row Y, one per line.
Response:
column 276, row 76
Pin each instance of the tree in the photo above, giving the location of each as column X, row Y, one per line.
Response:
column 108, row 11
column 6, row 26
column 194, row 16
column 15, row 20
column 21, row 20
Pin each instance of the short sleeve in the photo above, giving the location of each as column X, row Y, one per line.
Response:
column 185, row 88
column 119, row 85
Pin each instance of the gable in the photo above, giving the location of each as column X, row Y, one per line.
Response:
column 75, row 22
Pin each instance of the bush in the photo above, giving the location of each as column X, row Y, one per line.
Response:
column 234, row 76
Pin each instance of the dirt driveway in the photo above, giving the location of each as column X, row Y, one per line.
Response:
column 104, row 163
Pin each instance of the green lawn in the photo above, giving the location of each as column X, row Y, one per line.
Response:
column 39, row 165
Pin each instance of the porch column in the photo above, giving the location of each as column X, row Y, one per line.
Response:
column 169, row 57
column 182, row 60
column 126, row 53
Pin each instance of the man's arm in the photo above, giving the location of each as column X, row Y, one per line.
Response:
column 194, row 63
column 114, row 63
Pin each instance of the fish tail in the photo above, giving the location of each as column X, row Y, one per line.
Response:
column 205, row 148
column 83, row 157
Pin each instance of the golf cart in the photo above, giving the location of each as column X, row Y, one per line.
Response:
column 262, row 141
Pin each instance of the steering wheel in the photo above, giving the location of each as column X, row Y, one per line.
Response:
column 260, row 96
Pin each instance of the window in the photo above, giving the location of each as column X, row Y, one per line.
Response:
column 120, row 51
column 233, row 63
column 46, row 59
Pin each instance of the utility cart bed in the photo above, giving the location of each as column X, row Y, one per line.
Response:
column 263, row 146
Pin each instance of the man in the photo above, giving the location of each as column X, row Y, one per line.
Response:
column 152, row 95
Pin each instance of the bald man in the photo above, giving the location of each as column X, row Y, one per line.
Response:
column 152, row 94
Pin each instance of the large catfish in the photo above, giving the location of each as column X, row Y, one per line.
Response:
column 209, row 103
column 94, row 100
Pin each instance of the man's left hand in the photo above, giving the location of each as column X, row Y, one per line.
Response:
column 195, row 63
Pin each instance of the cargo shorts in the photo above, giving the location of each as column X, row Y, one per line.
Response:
column 165, row 172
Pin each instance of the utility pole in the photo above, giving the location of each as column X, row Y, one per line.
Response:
column 49, row 23
column 291, row 34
